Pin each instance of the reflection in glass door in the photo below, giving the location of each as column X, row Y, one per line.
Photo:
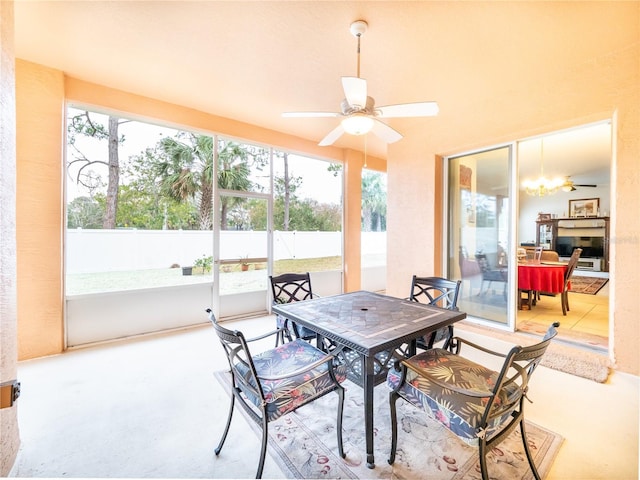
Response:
column 478, row 231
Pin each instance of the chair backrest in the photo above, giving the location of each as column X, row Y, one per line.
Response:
column 502, row 259
column 243, row 371
column 483, row 263
column 571, row 266
column 435, row 291
column 537, row 254
column 550, row 256
column 516, row 371
column 291, row 287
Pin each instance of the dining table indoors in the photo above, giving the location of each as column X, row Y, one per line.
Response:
column 369, row 325
column 536, row 276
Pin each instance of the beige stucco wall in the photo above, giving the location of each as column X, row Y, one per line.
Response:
column 40, row 106
column 606, row 88
column 9, row 433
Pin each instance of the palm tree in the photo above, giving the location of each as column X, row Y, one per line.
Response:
column 233, row 174
column 186, row 172
column 374, row 201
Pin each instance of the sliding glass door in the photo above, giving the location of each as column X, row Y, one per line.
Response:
column 479, row 240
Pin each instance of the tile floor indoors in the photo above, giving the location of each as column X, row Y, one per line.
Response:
column 588, row 314
column 149, row 407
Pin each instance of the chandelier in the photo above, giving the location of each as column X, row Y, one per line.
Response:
column 542, row 186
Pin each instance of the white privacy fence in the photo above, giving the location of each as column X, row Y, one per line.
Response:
column 119, row 250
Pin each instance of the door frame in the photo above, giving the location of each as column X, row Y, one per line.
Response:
column 512, row 186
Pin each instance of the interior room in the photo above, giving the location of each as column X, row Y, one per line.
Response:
column 581, row 156
column 453, row 107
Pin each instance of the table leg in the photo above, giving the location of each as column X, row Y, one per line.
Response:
column 368, row 384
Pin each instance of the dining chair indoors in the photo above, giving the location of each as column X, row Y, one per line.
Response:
column 287, row 288
column 480, row 405
column 278, row 381
column 537, row 254
column 532, row 296
column 441, row 292
column 573, row 262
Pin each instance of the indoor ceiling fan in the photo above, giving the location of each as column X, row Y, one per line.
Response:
column 569, row 186
column 358, row 111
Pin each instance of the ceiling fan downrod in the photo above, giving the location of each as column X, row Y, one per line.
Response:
column 357, row 29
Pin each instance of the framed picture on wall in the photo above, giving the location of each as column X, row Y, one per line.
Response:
column 586, row 207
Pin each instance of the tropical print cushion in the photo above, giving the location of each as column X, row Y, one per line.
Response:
column 459, row 413
column 283, row 396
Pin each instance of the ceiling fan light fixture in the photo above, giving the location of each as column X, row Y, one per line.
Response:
column 567, row 188
column 357, row 124
column 358, row 110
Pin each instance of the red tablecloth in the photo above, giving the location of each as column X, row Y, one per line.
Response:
column 540, row 277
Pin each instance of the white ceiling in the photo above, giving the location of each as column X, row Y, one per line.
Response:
column 251, row 61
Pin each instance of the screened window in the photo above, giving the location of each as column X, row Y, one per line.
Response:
column 307, row 214
column 138, row 204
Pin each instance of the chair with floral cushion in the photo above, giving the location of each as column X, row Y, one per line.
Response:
column 480, row 405
column 287, row 288
column 441, row 292
column 277, row 381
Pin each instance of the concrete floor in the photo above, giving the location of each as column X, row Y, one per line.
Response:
column 149, row 407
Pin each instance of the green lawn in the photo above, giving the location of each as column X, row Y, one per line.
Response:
column 83, row 283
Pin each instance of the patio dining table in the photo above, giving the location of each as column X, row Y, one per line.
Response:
column 369, row 324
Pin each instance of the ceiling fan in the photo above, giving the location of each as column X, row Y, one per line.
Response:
column 569, row 186
column 358, row 111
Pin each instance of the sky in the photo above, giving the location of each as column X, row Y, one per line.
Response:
column 318, row 183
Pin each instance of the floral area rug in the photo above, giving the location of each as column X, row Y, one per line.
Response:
column 304, row 443
column 587, row 285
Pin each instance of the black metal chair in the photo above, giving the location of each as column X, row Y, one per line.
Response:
column 436, row 291
column 287, row 288
column 480, row 405
column 277, row 381
column 573, row 262
column 490, row 274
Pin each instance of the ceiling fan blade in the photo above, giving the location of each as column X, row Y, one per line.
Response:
column 355, row 91
column 385, row 132
column 332, row 136
column 419, row 109
column 310, row 114
column 583, row 185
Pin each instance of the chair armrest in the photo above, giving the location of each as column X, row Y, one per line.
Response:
column 264, row 335
column 459, row 341
column 328, row 358
column 476, row 393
